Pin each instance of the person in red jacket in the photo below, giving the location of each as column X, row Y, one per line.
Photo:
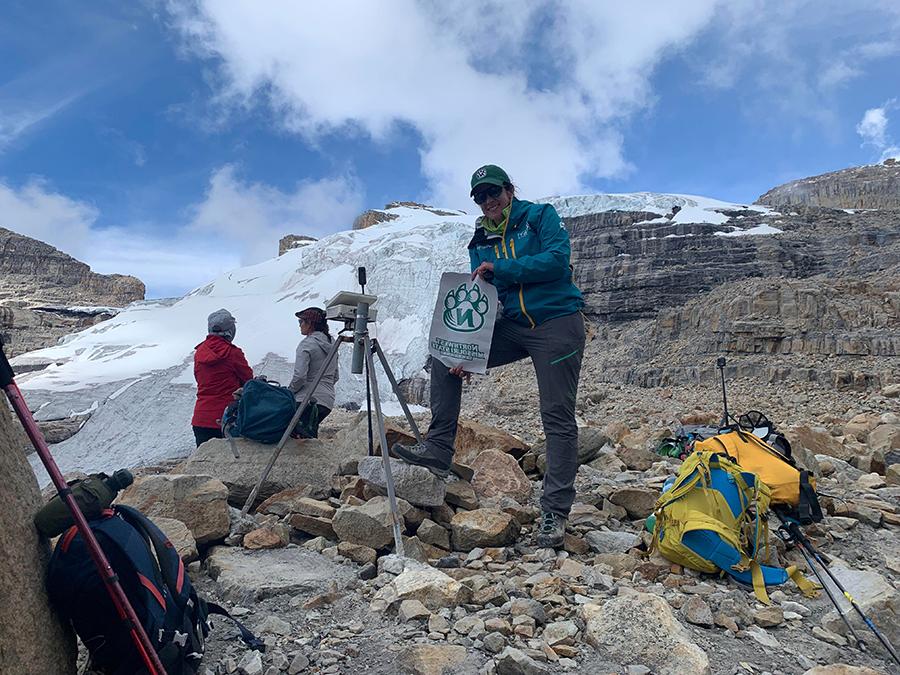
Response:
column 220, row 369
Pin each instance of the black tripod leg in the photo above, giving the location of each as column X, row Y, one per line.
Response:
column 396, row 388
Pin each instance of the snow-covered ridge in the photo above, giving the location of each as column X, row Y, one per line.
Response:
column 404, row 258
column 691, row 208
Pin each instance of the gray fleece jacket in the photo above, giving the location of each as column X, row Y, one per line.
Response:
column 311, row 354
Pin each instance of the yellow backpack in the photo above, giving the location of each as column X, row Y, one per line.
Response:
column 712, row 517
column 792, row 489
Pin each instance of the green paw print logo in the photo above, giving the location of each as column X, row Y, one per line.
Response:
column 465, row 308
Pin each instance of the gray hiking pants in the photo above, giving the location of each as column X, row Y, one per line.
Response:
column 555, row 348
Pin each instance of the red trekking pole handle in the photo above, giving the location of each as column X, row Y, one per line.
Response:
column 123, row 607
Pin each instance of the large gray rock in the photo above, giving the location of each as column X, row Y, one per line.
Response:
column 32, row 640
column 874, row 594
column 640, row 628
column 246, row 576
column 428, row 585
column 309, row 461
column 638, row 502
column 415, row 484
column 512, row 661
column 603, row 541
column 200, row 502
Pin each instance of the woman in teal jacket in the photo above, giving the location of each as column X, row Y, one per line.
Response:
column 523, row 250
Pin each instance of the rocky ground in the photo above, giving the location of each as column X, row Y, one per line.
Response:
column 313, row 570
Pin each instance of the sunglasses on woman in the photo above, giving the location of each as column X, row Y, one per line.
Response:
column 491, row 192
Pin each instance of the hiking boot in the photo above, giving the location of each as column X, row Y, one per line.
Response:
column 420, row 455
column 551, row 530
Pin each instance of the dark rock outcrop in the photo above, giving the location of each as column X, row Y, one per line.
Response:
column 861, row 187
column 46, row 294
column 292, row 241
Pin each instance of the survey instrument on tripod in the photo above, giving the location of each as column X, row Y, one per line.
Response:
column 355, row 311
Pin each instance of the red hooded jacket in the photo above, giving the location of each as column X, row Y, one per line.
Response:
column 220, row 369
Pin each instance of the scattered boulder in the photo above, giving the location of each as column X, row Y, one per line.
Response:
column 317, row 527
column 819, row 442
column 840, row 669
column 180, row 536
column 499, row 475
column 472, row 438
column 370, row 524
column 418, row 581
column 874, row 594
column 514, row 661
column 426, row 659
column 695, row 610
column 638, row 502
column 461, row 493
column 482, row 528
column 605, row 541
column 288, row 501
column 246, row 576
column 200, row 502
column 884, row 438
column 276, row 535
column 432, row 533
column 415, row 484
column 640, row 628
column 637, row 458
column 306, row 462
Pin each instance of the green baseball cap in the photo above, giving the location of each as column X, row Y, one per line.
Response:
column 489, row 174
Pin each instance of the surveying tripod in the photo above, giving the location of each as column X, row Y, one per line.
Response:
column 356, row 319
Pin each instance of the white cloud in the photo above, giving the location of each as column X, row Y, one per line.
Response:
column 256, row 216
column 540, row 88
column 16, row 120
column 237, row 223
column 873, row 129
column 36, row 211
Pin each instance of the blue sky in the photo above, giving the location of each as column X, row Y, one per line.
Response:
column 175, row 140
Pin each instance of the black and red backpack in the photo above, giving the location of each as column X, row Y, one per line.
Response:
column 156, row 582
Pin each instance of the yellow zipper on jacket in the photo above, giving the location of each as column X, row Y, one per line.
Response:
column 512, row 245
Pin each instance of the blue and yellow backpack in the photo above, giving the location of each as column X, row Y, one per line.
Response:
column 712, row 518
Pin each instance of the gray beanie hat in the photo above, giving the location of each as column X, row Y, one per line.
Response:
column 221, row 323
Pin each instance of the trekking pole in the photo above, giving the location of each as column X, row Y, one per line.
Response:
column 790, row 538
column 123, row 607
column 806, row 545
column 720, row 364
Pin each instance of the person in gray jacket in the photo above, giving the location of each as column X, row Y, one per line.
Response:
column 311, row 355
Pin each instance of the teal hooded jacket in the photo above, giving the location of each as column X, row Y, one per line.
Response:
column 531, row 264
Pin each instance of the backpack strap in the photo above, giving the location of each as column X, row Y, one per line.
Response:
column 808, row 508
column 170, row 564
column 249, row 638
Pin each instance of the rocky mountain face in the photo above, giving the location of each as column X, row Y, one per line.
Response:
column 292, row 241
column 46, row 294
column 817, row 300
column 859, row 187
column 374, row 216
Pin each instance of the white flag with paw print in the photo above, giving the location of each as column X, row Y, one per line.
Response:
column 463, row 322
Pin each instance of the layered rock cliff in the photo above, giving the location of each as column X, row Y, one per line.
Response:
column 46, row 294
column 818, row 301
column 860, row 187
